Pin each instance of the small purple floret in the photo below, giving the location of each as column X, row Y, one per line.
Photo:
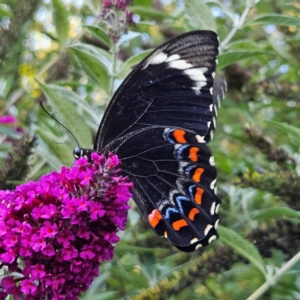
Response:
column 55, row 232
column 8, row 119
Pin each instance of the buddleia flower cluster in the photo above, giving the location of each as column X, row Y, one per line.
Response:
column 55, row 232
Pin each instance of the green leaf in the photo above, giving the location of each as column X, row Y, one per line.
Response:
column 292, row 131
column 80, row 104
column 244, row 45
column 55, row 154
column 148, row 12
column 134, row 60
column 201, row 16
column 124, row 247
column 60, row 100
column 128, row 37
column 225, row 9
column 146, row 3
column 5, row 11
column 242, row 246
column 277, row 212
column 5, row 85
column 274, row 19
column 229, row 58
column 83, row 105
column 99, row 33
column 111, row 295
column 281, row 48
column 251, row 3
column 93, row 5
column 61, row 22
column 94, row 63
column 8, row 132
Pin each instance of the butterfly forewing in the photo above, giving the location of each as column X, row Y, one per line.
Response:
column 173, row 86
column 158, row 123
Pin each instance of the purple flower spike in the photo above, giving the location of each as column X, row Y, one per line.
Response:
column 55, row 232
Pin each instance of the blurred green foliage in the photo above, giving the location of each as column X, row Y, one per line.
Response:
column 57, row 51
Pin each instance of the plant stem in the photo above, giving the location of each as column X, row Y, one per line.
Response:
column 273, row 279
column 114, row 53
column 238, row 25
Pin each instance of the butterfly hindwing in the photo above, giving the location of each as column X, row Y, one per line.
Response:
column 174, row 177
column 158, row 123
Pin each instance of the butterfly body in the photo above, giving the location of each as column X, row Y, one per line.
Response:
column 158, row 123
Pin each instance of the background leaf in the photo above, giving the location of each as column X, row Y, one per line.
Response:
column 60, row 17
column 229, row 58
column 242, row 246
column 99, row 33
column 275, row 19
column 93, row 63
column 277, row 212
column 59, row 99
column 201, row 16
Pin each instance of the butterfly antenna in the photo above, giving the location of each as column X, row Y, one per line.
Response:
column 44, row 109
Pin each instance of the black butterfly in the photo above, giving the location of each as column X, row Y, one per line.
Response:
column 158, row 123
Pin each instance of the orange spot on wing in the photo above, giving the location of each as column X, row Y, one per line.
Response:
column 193, row 213
column 193, row 153
column 154, row 217
column 197, row 174
column 180, row 223
column 179, row 136
column 198, row 195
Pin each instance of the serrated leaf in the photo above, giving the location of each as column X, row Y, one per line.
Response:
column 100, row 34
column 277, row 212
column 242, row 246
column 201, row 15
column 93, row 63
column 60, row 19
column 274, row 19
column 60, row 100
column 229, row 58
